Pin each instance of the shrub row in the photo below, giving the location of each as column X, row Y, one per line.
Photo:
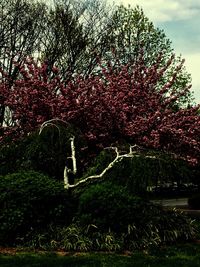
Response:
column 37, row 210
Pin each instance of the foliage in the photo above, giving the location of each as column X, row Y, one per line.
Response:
column 62, row 33
column 106, row 205
column 132, row 32
column 108, row 107
column 21, row 27
column 82, row 237
column 30, row 200
column 117, row 35
column 74, row 237
column 12, row 156
column 37, row 212
column 136, row 222
column 75, row 33
column 108, row 103
column 133, row 97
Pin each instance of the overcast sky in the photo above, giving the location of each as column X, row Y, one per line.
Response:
column 180, row 20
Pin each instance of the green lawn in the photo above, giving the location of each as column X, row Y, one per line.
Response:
column 179, row 256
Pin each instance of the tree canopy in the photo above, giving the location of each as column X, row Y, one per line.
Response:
column 115, row 79
column 114, row 104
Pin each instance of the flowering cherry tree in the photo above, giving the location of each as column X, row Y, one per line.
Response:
column 120, row 102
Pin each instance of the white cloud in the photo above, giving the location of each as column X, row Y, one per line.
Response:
column 165, row 10
column 192, row 66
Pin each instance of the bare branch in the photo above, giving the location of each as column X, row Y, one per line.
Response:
column 66, row 178
column 118, row 158
column 66, row 169
column 51, row 123
column 73, row 157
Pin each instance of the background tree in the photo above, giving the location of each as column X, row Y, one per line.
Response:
column 89, row 32
column 63, row 40
column 132, row 32
column 20, row 29
column 76, row 33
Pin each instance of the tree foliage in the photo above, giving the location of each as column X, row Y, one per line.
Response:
column 115, row 81
column 117, row 103
column 75, row 33
column 132, row 32
column 20, row 32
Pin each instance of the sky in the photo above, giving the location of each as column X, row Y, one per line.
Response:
column 180, row 20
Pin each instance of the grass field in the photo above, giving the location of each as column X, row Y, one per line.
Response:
column 179, row 256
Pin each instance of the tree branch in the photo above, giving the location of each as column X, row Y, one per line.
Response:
column 133, row 153
column 51, row 123
column 118, row 158
column 66, row 169
column 73, row 151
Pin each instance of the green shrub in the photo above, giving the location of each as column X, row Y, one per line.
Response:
column 74, row 237
column 29, row 200
column 36, row 211
column 13, row 156
column 107, row 206
column 137, row 222
column 77, row 237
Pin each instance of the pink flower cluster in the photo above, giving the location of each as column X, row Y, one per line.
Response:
column 125, row 102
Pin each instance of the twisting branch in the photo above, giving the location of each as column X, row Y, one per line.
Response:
column 51, row 123
column 117, row 159
column 73, row 153
column 133, row 152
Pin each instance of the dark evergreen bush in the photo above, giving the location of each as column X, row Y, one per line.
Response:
column 13, row 155
column 107, row 206
column 29, row 200
column 139, row 223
